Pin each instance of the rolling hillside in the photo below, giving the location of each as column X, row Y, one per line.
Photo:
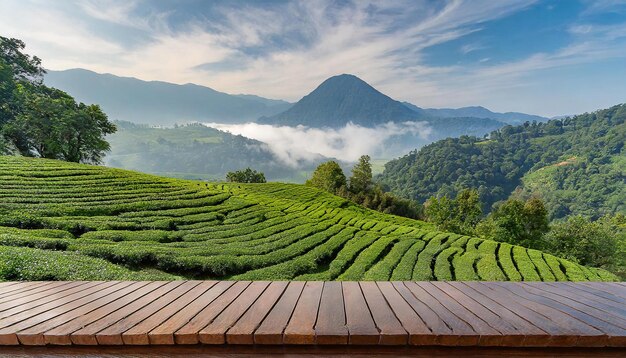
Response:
column 574, row 164
column 63, row 221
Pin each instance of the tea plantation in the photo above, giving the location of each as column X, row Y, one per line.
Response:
column 62, row 221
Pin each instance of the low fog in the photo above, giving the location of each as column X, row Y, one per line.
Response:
column 294, row 144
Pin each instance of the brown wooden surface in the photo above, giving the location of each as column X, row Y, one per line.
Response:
column 494, row 314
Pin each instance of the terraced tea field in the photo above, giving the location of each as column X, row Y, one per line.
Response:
column 62, row 221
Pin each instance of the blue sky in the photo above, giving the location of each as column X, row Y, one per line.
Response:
column 542, row 57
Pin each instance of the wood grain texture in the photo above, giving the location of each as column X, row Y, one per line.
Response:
column 261, row 313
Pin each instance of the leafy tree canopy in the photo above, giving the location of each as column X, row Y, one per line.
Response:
column 328, row 176
column 36, row 120
column 535, row 158
column 246, row 176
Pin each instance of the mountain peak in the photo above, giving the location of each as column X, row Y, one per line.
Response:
column 342, row 99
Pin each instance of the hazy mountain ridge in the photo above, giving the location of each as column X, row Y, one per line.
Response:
column 479, row 112
column 156, row 102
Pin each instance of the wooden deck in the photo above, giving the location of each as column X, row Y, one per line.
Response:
column 313, row 313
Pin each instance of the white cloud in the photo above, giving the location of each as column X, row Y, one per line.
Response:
column 295, row 144
column 284, row 50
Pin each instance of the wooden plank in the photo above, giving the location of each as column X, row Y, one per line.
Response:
column 532, row 335
column 507, row 334
column 135, row 313
column 597, row 295
column 157, row 312
column 330, row 327
column 609, row 287
column 462, row 333
column 33, row 335
column 323, row 313
column 215, row 332
column 391, row 330
column 558, row 336
column 164, row 333
column 603, row 327
column 271, row 329
column 188, row 334
column 242, row 332
column 25, row 297
column 564, row 329
column 611, row 325
column 598, row 338
column 419, row 333
column 437, row 326
column 489, row 336
column 586, row 305
column 6, row 284
column 60, row 335
column 31, row 287
column 361, row 326
column 32, row 317
column 29, row 317
column 592, row 295
column 33, row 299
column 300, row 329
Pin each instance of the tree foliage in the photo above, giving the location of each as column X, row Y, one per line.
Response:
column 590, row 243
column 36, row 120
column 246, row 176
column 496, row 166
column 361, row 189
column 459, row 215
column 361, row 179
column 328, row 176
column 517, row 222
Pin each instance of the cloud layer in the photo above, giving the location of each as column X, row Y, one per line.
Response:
column 284, row 49
column 293, row 145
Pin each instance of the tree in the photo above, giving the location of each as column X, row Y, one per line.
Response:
column 328, row 176
column 586, row 242
column 517, row 222
column 52, row 125
column 361, row 179
column 246, row 176
column 459, row 215
column 440, row 211
column 37, row 120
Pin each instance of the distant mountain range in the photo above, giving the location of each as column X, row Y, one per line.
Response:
column 160, row 103
column 337, row 101
column 478, row 112
column 346, row 98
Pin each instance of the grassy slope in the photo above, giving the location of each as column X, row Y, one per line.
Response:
column 66, row 221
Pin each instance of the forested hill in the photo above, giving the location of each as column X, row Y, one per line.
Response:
column 196, row 151
column 575, row 164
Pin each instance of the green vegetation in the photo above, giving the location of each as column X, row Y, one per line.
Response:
column 194, row 151
column 460, row 215
column 36, row 120
column 575, row 165
column 61, row 220
column 361, row 189
column 246, row 176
